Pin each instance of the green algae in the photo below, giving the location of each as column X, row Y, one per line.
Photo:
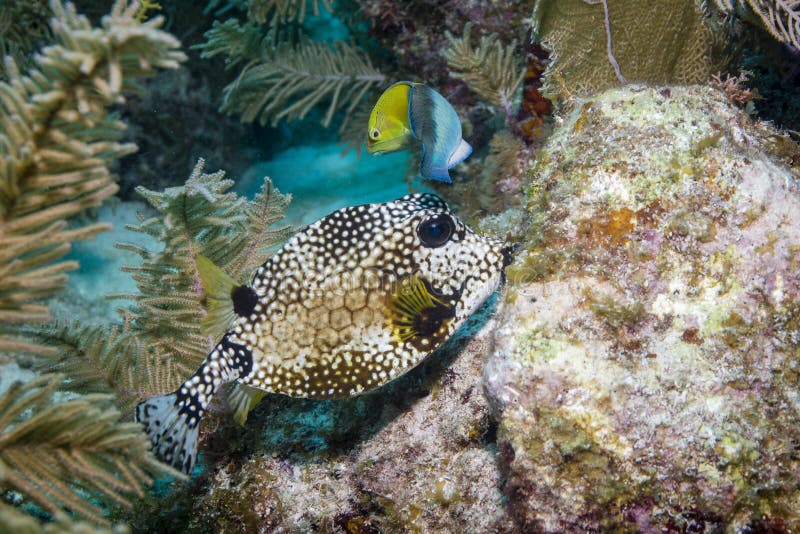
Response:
column 614, row 311
column 537, row 348
column 704, row 143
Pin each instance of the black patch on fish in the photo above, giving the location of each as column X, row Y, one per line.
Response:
column 242, row 357
column 430, row 320
column 244, row 300
column 190, row 408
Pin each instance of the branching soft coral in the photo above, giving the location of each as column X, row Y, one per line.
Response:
column 22, row 24
column 201, row 218
column 285, row 81
column 781, row 18
column 282, row 11
column 66, row 449
column 490, row 69
column 57, row 140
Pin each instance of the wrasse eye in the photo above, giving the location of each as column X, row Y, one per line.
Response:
column 374, row 133
column 435, row 231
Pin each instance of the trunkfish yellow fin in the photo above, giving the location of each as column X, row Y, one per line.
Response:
column 218, row 288
column 243, row 399
column 416, row 315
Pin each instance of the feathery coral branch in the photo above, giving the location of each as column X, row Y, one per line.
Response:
column 490, row 69
column 57, row 140
column 284, row 11
column 286, row 81
column 781, row 18
column 200, row 218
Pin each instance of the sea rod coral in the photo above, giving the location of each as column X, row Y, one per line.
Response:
column 57, row 143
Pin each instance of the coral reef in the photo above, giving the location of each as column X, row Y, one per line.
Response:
column 645, row 367
column 643, row 363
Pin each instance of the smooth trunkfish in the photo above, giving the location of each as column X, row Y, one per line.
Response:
column 348, row 304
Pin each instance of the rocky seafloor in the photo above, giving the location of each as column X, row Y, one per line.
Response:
column 639, row 372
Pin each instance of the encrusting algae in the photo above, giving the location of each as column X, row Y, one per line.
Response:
column 645, row 371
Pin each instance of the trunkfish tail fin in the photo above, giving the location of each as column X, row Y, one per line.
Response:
column 171, row 421
column 173, row 440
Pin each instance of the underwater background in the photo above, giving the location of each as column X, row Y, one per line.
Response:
column 638, row 372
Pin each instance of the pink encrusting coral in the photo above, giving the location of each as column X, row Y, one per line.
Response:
column 647, row 365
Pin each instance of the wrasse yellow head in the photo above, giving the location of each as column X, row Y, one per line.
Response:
column 389, row 129
column 409, row 109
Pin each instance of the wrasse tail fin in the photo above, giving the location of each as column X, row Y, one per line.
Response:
column 462, row 152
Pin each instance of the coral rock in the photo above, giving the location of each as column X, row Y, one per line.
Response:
column 645, row 371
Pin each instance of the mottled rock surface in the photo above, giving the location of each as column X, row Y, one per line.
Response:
column 646, row 368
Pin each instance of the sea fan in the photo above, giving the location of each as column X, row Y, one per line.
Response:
column 662, row 42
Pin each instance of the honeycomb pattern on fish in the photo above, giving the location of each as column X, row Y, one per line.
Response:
column 320, row 327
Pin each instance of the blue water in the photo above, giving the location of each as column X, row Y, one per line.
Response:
column 321, row 179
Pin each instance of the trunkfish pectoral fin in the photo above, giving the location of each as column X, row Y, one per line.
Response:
column 225, row 299
column 416, row 315
column 243, row 399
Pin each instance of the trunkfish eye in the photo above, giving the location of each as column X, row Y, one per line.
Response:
column 435, row 231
